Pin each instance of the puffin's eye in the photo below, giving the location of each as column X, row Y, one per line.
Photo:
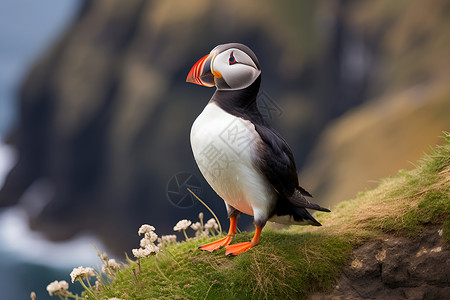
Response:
column 232, row 60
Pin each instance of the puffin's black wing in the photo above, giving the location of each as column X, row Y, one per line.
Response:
column 277, row 163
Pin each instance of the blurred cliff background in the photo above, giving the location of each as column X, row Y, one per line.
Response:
column 98, row 124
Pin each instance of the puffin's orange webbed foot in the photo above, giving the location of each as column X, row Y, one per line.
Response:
column 238, row 248
column 211, row 247
column 216, row 245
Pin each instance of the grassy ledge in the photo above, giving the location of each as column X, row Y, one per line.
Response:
column 296, row 261
column 285, row 265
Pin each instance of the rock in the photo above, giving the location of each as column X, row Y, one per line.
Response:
column 395, row 267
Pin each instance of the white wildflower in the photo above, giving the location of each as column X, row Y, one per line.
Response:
column 138, row 253
column 81, row 273
column 200, row 216
column 33, row 295
column 211, row 224
column 146, row 229
column 182, row 225
column 152, row 249
column 110, row 267
column 196, row 226
column 151, row 236
column 145, row 242
column 167, row 239
column 171, row 238
column 58, row 288
column 199, row 231
column 149, row 239
column 149, row 250
column 113, row 264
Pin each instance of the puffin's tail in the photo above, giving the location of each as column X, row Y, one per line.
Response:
column 293, row 210
column 302, row 217
column 290, row 214
column 298, row 200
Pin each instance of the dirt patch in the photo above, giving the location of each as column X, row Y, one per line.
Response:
column 396, row 268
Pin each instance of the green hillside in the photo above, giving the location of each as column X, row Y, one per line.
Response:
column 294, row 262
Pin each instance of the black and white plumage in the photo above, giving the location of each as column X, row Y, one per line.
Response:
column 247, row 163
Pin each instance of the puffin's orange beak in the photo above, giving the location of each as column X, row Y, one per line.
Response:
column 201, row 72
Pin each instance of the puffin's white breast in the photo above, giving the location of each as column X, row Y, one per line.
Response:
column 225, row 148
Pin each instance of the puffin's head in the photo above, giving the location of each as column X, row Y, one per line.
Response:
column 228, row 67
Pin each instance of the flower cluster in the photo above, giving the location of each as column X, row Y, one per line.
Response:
column 144, row 229
column 182, row 225
column 109, row 265
column 201, row 229
column 60, row 288
column 147, row 243
column 212, row 226
column 167, row 239
column 81, row 273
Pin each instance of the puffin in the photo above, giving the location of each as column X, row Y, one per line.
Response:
column 244, row 160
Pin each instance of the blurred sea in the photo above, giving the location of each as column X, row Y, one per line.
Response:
column 28, row 262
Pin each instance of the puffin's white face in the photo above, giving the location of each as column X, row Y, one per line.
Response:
column 233, row 69
column 228, row 67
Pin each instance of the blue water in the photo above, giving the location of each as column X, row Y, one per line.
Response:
column 27, row 261
column 27, row 29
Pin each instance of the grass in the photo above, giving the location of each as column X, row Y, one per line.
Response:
column 404, row 204
column 284, row 265
column 297, row 261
